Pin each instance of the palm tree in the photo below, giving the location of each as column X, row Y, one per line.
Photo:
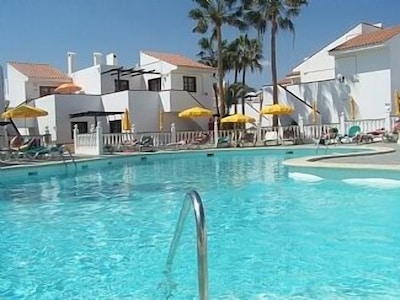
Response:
column 273, row 14
column 216, row 14
column 208, row 56
column 232, row 63
column 251, row 56
column 208, row 51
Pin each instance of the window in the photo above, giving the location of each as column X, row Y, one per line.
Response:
column 189, row 84
column 121, row 85
column 155, row 84
column 82, row 127
column 115, row 126
column 46, row 90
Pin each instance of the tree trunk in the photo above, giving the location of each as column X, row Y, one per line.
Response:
column 220, row 73
column 273, row 70
column 243, row 92
column 235, row 95
column 215, row 88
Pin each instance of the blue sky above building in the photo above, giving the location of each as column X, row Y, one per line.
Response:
column 44, row 31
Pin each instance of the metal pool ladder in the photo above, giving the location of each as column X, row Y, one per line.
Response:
column 66, row 149
column 193, row 199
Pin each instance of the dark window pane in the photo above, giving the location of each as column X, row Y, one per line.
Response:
column 46, row 90
column 189, row 84
column 115, row 126
column 121, row 85
column 155, row 84
column 82, row 127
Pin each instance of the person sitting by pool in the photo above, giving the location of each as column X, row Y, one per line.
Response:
column 393, row 135
column 328, row 137
column 17, row 143
column 128, row 145
column 201, row 138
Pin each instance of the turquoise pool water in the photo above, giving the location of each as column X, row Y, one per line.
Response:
column 105, row 233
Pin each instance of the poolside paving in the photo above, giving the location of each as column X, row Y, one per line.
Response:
column 389, row 159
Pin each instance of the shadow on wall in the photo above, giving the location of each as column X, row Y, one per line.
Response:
column 332, row 98
column 289, row 98
column 310, row 97
column 182, row 124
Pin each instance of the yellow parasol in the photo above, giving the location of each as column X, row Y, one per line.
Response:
column 24, row 111
column 352, row 108
column 277, row 109
column 67, row 88
column 126, row 124
column 314, row 111
column 238, row 118
column 196, row 112
column 397, row 102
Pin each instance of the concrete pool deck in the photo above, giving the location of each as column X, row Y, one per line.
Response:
column 384, row 156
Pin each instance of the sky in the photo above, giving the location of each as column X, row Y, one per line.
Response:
column 43, row 31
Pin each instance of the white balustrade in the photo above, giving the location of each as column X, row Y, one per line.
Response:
column 92, row 143
column 88, row 143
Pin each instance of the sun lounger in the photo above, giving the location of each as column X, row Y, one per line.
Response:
column 199, row 141
column 353, row 136
column 329, row 138
column 271, row 137
column 224, row 142
column 178, row 145
column 146, row 143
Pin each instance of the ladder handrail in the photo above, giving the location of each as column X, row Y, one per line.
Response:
column 193, row 199
column 64, row 147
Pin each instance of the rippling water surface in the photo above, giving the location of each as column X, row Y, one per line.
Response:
column 105, row 234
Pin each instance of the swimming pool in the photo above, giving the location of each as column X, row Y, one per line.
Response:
column 105, row 233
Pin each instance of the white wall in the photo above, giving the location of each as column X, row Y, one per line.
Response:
column 176, row 101
column 394, row 49
column 148, row 62
column 2, row 91
column 368, row 80
column 22, row 88
column 89, row 79
column 33, row 85
column 332, row 98
column 321, row 66
column 16, row 86
column 60, row 107
column 48, row 104
column 204, row 80
column 144, row 108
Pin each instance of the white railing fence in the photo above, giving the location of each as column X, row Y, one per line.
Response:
column 89, row 143
column 3, row 138
column 93, row 143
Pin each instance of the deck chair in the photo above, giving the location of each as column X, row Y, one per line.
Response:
column 352, row 136
column 199, row 141
column 50, row 152
column 146, row 143
column 27, row 150
column 329, row 138
column 180, row 145
column 271, row 136
column 224, row 142
column 247, row 138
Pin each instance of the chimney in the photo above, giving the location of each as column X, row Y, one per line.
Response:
column 71, row 62
column 111, row 59
column 97, row 58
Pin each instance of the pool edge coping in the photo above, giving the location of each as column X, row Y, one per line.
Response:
column 321, row 160
column 305, row 161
